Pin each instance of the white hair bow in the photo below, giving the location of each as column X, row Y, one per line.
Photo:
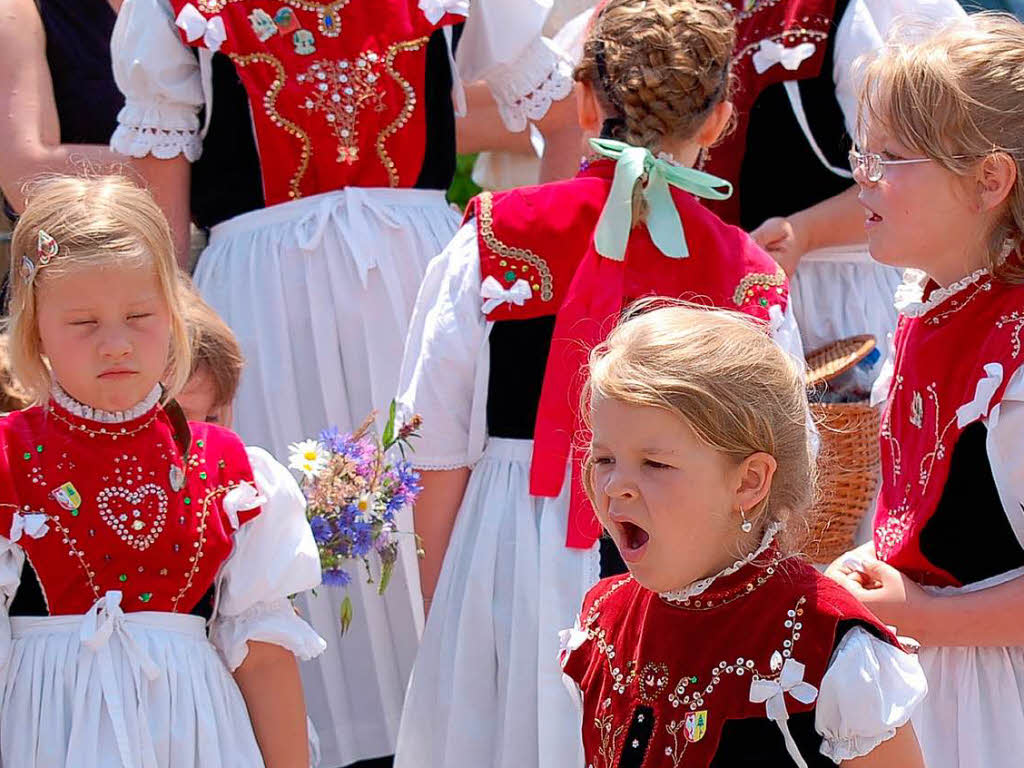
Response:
column 494, row 295
column 771, row 53
column 195, row 25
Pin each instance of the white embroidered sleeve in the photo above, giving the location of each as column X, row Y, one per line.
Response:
column 161, row 82
column 871, row 689
column 444, row 373
column 502, row 45
column 274, row 557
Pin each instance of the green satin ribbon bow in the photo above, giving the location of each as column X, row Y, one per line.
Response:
column 663, row 222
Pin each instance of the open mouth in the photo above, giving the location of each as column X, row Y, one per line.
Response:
column 632, row 541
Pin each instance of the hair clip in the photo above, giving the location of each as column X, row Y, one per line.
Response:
column 46, row 250
column 28, row 269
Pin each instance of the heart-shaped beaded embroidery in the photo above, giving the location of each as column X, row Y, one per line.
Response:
column 137, row 516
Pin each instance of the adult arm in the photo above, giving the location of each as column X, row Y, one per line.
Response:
column 29, row 129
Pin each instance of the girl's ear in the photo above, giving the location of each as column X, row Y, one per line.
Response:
column 755, row 475
column 997, row 173
column 715, row 124
column 588, row 111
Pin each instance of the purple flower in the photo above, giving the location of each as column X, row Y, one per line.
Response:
column 336, row 577
column 333, row 440
column 362, row 538
column 321, row 529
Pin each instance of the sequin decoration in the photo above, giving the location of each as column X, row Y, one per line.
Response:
column 509, row 253
column 263, row 25
column 270, row 106
column 746, row 288
column 137, row 516
column 407, row 108
column 339, row 90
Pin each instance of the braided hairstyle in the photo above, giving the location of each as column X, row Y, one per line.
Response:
column 658, row 66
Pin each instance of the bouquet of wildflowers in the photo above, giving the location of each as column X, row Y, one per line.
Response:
column 354, row 486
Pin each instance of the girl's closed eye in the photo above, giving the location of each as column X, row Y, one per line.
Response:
column 603, row 460
column 656, row 464
column 139, row 315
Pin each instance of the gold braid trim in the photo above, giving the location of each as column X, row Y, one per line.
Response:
column 757, row 280
column 508, row 252
column 407, row 107
column 270, row 106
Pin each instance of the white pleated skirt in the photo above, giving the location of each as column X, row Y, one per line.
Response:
column 487, row 688
column 319, row 292
column 973, row 716
column 841, row 293
column 155, row 694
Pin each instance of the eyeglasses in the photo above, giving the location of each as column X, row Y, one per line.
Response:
column 873, row 164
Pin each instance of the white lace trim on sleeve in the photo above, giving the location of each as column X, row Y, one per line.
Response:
column 274, row 622
column 525, row 89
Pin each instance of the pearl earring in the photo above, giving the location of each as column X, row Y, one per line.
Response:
column 746, row 525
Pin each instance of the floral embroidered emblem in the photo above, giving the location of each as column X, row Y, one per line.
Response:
column 917, row 410
column 262, row 24
column 286, row 20
column 122, row 509
column 695, row 725
column 304, row 42
column 340, row 89
column 68, row 497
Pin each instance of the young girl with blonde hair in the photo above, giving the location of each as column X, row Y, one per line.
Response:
column 501, row 329
column 941, row 172
column 145, row 563
column 720, row 648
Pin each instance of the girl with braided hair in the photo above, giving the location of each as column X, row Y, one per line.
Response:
column 502, row 326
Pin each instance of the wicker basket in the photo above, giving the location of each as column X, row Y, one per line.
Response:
column 848, row 458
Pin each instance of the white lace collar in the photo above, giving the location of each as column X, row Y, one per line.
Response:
column 910, row 292
column 699, row 587
column 82, row 411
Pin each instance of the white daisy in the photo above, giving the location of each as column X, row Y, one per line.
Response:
column 364, row 506
column 307, row 456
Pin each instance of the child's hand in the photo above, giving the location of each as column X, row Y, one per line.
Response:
column 890, row 595
column 783, row 241
column 849, row 565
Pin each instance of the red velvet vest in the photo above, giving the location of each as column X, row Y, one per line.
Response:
column 544, row 235
column 791, row 23
column 335, row 88
column 963, row 350
column 126, row 509
column 660, row 679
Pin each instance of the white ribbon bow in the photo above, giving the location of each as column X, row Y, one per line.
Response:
column 33, row 524
column 241, row 498
column 571, row 639
column 773, row 694
column 195, row 25
column 771, row 53
column 95, row 634
column 495, row 295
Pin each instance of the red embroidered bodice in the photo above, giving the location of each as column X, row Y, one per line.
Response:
column 660, row 679
column 125, row 508
column 791, row 23
column 544, row 235
column 963, row 350
column 335, row 87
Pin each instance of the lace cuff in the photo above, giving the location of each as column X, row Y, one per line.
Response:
column 163, row 131
column 275, row 622
column 525, row 89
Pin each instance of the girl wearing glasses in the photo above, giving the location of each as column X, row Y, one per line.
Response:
column 942, row 184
